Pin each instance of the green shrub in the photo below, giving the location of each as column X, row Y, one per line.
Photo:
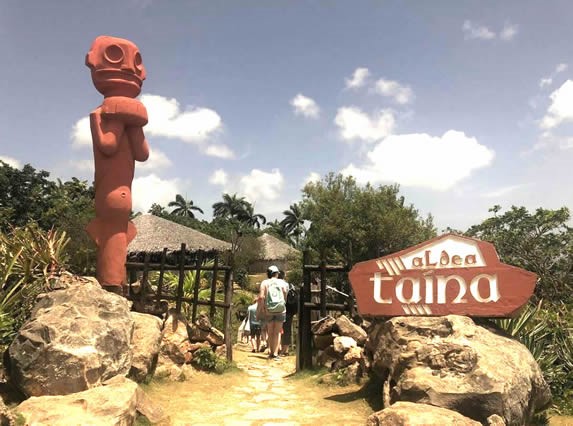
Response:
column 547, row 331
column 29, row 259
column 207, row 360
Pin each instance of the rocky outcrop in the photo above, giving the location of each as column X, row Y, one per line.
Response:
column 346, row 327
column 78, row 337
column 116, row 403
column 203, row 331
column 180, row 342
column 338, row 344
column 144, row 345
column 175, row 341
column 450, row 362
column 411, row 414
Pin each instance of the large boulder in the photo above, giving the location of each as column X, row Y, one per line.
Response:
column 411, row 414
column 346, row 327
column 118, row 402
column 76, row 338
column 175, row 341
column 144, row 345
column 451, row 362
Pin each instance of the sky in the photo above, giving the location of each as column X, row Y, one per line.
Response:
column 464, row 104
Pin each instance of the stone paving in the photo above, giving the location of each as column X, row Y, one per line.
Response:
column 264, row 396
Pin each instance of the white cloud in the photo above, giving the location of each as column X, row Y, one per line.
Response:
column 547, row 81
column 508, row 32
column 261, row 186
column 473, row 31
column 219, row 177
column 166, row 119
column 501, row 192
column 561, row 108
column 400, row 93
column 12, row 162
column 220, row 151
column 358, row 78
column 305, row 106
column 83, row 165
column 312, row 177
column 157, row 160
column 151, row 189
column 355, row 124
column 81, row 134
column 422, row 160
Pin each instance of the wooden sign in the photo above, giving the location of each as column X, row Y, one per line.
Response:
column 450, row 274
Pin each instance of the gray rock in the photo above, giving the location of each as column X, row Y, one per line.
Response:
column 342, row 344
column 322, row 341
column 175, row 340
column 203, row 322
column 323, row 326
column 77, row 338
column 112, row 404
column 450, row 362
column 213, row 336
column 145, row 345
column 346, row 327
column 411, row 414
column 6, row 416
column 495, row 420
column 353, row 355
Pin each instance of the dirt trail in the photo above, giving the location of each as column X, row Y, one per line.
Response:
column 263, row 392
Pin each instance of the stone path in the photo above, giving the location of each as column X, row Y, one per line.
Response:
column 265, row 395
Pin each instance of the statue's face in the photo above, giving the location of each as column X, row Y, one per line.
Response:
column 116, row 66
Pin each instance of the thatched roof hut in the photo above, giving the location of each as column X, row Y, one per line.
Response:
column 274, row 252
column 155, row 233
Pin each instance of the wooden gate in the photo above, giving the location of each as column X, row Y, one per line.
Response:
column 160, row 295
column 314, row 301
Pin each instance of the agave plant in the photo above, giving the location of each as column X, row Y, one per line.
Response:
column 29, row 257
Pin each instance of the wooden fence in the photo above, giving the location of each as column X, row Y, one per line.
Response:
column 145, row 296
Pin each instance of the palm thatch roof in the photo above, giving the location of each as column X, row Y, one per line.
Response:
column 155, row 233
column 272, row 248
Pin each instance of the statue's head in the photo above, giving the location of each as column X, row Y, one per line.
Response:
column 116, row 66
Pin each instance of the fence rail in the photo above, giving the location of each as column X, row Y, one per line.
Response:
column 160, row 294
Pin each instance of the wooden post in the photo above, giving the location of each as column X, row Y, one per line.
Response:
column 181, row 279
column 304, row 335
column 322, row 288
column 214, row 288
column 227, row 313
column 160, row 281
column 197, row 284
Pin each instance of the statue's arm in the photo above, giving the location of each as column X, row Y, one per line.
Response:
column 106, row 134
column 139, row 145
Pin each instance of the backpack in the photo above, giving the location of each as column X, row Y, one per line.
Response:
column 275, row 301
column 292, row 298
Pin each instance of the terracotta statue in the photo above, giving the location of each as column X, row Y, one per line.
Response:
column 118, row 140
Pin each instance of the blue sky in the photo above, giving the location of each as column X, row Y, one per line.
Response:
column 464, row 104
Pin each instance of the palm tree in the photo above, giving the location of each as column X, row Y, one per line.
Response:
column 293, row 223
column 183, row 207
column 231, row 207
column 251, row 219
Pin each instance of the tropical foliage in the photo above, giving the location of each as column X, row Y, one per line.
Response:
column 183, row 207
column 369, row 221
column 541, row 242
column 29, row 258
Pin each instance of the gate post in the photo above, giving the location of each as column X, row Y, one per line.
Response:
column 227, row 313
column 304, row 336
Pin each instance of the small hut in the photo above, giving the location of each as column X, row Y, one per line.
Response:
column 274, row 252
column 155, row 233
